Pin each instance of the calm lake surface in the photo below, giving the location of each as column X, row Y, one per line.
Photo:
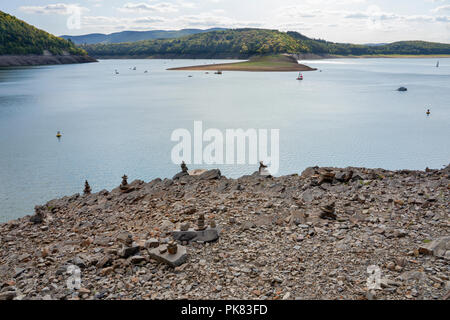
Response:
column 347, row 115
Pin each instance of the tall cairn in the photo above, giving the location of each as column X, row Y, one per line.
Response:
column 87, row 188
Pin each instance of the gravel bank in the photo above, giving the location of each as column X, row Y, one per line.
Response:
column 308, row 236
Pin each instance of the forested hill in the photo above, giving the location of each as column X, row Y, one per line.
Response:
column 243, row 43
column 19, row 38
column 130, row 36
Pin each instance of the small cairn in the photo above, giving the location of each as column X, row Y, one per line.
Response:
column 172, row 247
column 39, row 215
column 201, row 223
column 328, row 211
column 124, row 185
column 87, row 188
column 184, row 167
column 262, row 167
column 212, row 223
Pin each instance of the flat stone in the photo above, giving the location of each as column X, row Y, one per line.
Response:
column 126, row 252
column 207, row 235
column 438, row 247
column 137, row 259
column 173, row 260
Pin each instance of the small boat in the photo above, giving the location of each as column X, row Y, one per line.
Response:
column 218, row 72
column 134, row 68
column 145, row 71
column 428, row 112
column 300, row 76
column 58, row 134
column 437, row 64
column 117, row 72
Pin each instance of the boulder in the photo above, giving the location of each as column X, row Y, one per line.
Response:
column 174, row 260
column 210, row 175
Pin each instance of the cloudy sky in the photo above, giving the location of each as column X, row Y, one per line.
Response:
column 357, row 21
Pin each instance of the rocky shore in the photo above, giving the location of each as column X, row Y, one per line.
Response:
column 35, row 60
column 308, row 236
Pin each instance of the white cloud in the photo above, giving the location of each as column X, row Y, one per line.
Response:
column 147, row 7
column 58, row 8
column 444, row 8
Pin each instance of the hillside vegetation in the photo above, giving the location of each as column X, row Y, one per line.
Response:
column 227, row 43
column 130, row 36
column 243, row 43
column 19, row 38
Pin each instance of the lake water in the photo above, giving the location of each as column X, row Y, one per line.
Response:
column 347, row 115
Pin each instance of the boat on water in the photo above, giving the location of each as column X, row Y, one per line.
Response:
column 428, row 112
column 300, row 76
column 58, row 134
column 437, row 64
column 218, row 72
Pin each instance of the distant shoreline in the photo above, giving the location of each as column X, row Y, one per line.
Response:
column 302, row 56
column 37, row 60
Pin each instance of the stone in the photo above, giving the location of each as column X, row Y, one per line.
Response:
column 201, row 223
column 137, row 259
column 439, row 248
column 210, row 175
column 185, row 226
column 179, row 175
column 344, row 176
column 326, row 176
column 207, row 235
column 7, row 295
column 247, row 225
column 78, row 261
column 172, row 247
column 125, row 238
column 103, row 262
column 126, row 252
column 309, row 172
column 166, row 226
column 173, row 260
column 328, row 211
column 152, row 243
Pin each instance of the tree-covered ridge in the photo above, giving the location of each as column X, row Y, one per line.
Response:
column 233, row 43
column 19, row 38
column 241, row 43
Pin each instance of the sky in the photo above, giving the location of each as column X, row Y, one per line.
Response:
column 355, row 21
